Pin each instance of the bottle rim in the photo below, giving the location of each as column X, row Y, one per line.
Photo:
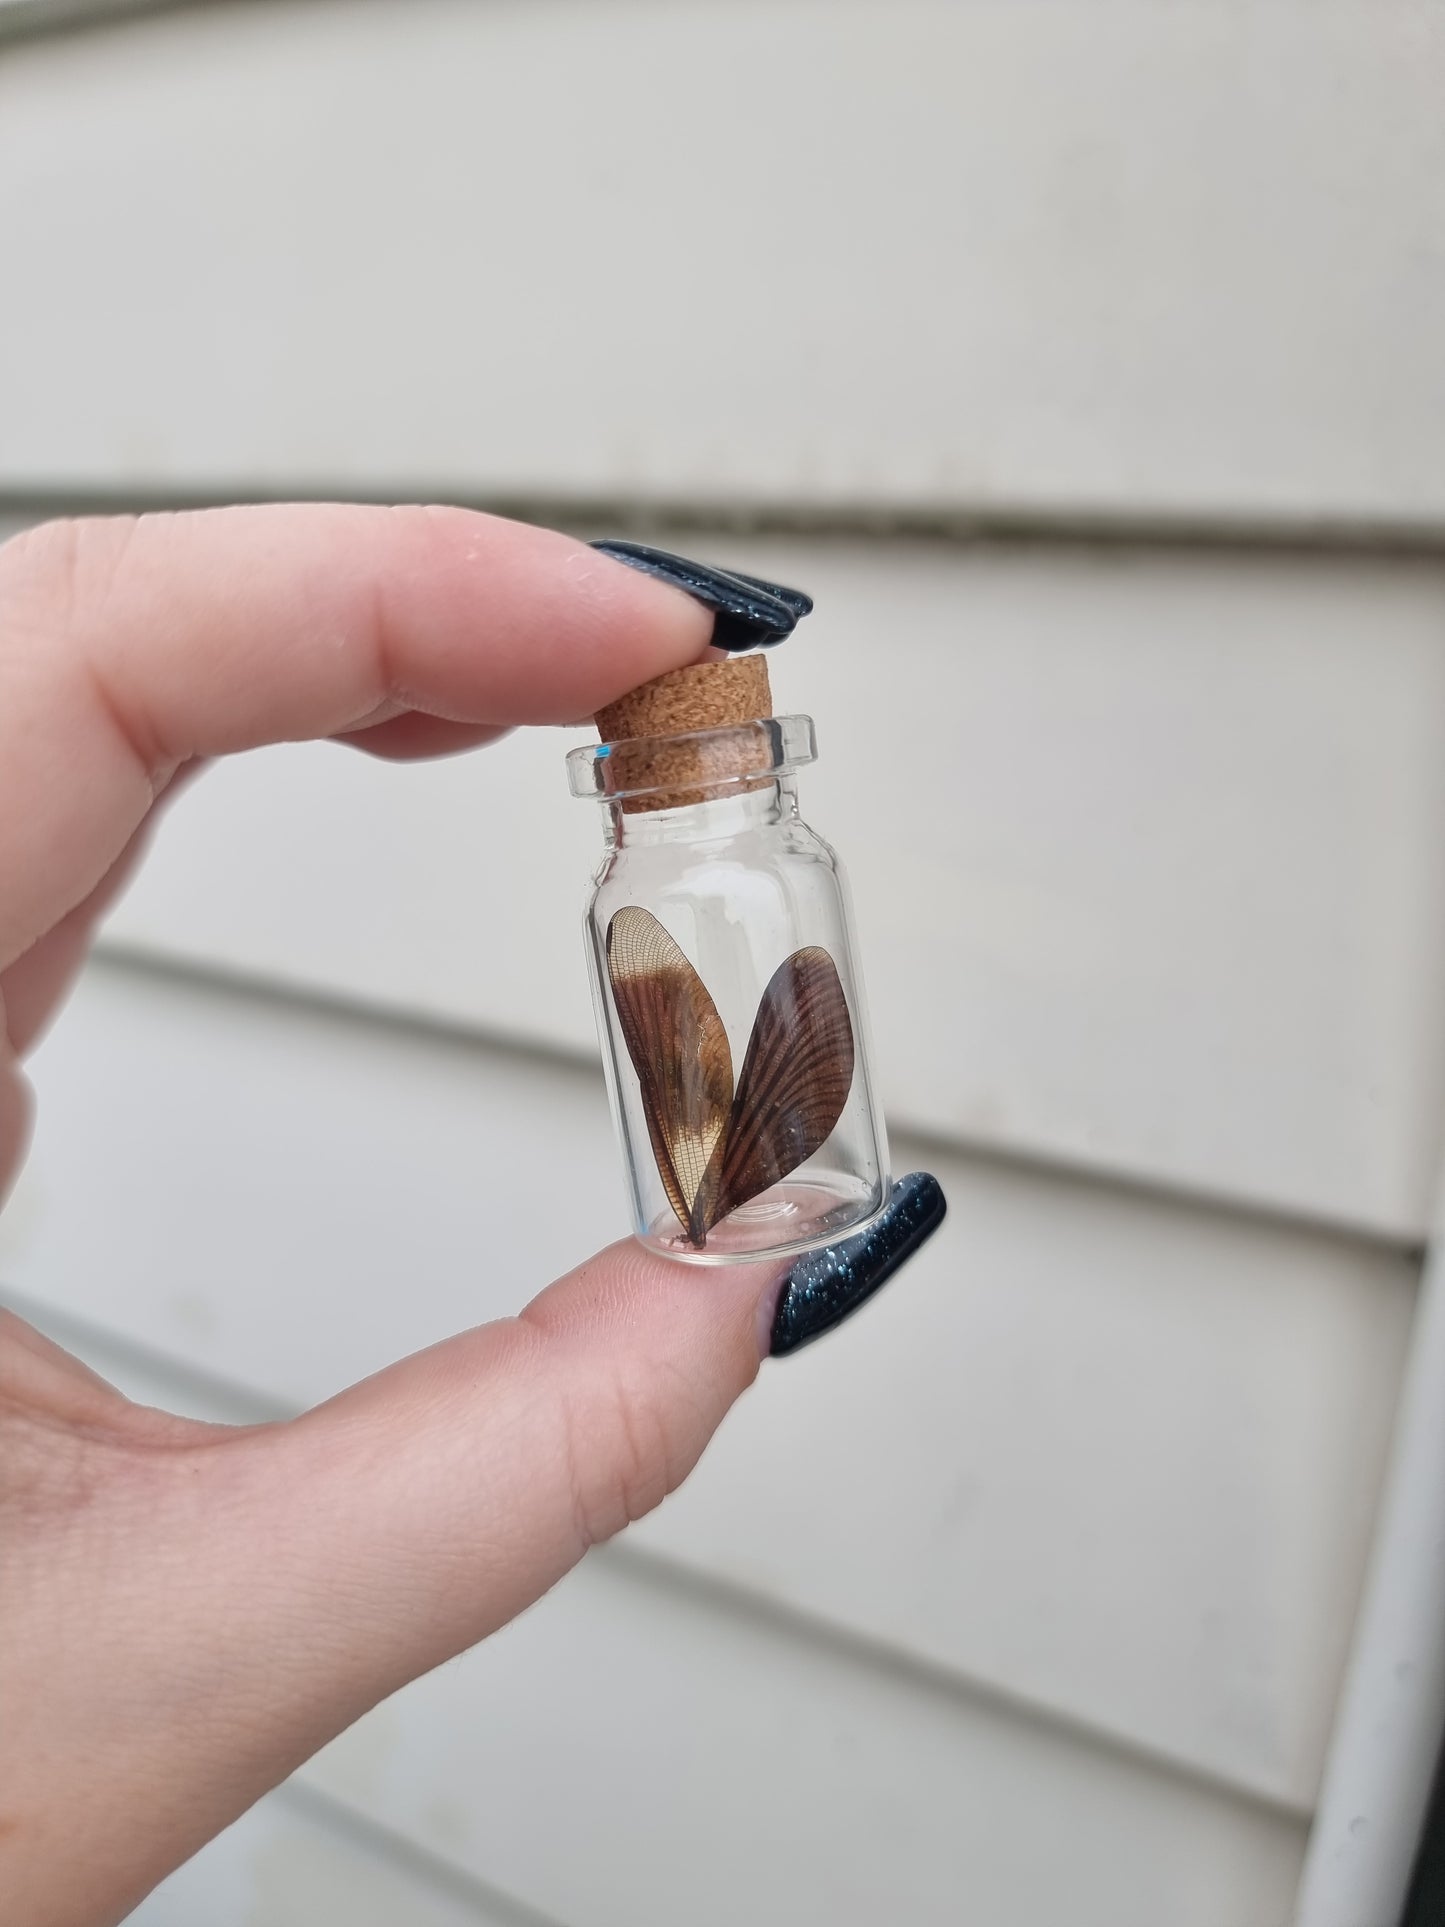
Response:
column 771, row 746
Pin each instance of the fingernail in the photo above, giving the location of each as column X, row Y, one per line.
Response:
column 822, row 1288
column 798, row 600
column 749, row 613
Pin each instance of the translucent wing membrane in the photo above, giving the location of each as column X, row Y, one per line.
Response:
column 794, row 1083
column 715, row 1149
column 680, row 1052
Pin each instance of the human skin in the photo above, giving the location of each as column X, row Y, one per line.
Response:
column 188, row 1611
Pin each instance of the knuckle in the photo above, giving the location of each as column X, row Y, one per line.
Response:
column 630, row 1419
column 61, row 571
column 58, row 582
column 49, row 1471
column 621, row 1454
column 641, row 1454
column 37, row 569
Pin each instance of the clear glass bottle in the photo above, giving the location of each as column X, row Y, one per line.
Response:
column 728, row 996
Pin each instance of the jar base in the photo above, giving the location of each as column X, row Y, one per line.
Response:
column 791, row 1217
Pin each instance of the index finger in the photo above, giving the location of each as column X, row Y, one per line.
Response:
column 129, row 645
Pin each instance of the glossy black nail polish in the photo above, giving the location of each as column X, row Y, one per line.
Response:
column 749, row 613
column 824, row 1287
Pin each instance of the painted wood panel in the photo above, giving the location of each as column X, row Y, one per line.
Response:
column 288, row 1863
column 1119, row 260
column 1137, row 1480
column 1145, row 851
column 721, row 1773
column 22, row 18
column 1113, row 1458
column 635, row 1752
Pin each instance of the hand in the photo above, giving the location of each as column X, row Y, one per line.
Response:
column 187, row 1612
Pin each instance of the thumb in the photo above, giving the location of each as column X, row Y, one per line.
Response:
column 228, row 1600
column 194, row 1610
column 428, row 1505
column 424, row 1508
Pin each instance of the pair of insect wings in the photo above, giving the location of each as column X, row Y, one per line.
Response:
column 717, row 1145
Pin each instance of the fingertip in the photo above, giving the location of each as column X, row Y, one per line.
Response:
column 616, row 587
column 553, row 629
column 631, row 1293
column 415, row 737
column 17, row 1119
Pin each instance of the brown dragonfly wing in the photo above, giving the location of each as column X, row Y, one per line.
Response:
column 794, row 1082
column 680, row 1052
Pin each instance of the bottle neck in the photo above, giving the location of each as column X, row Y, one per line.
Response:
column 715, row 819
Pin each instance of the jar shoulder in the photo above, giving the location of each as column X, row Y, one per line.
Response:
column 790, row 852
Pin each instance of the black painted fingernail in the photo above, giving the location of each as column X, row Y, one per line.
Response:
column 749, row 613
column 825, row 1287
column 798, row 600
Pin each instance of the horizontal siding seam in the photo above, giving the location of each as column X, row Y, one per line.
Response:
column 961, row 524
column 951, row 1683
column 861, row 1650
column 129, row 956
column 47, row 19
column 335, row 1815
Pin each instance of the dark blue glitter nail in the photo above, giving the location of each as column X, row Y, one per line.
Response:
column 748, row 613
column 825, row 1287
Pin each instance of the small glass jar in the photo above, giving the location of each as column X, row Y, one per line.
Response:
column 728, row 997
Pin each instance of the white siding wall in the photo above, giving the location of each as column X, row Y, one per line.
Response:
column 1117, row 258
column 1145, row 834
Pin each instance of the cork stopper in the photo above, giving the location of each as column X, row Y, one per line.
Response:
column 654, row 730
